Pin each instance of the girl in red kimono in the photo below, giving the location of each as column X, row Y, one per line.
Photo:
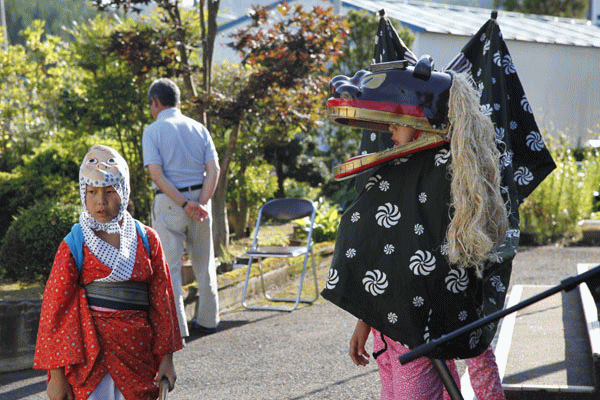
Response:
column 109, row 330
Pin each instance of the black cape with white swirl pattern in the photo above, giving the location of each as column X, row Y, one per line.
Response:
column 389, row 266
column 390, row 269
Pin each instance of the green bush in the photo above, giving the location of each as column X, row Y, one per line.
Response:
column 247, row 191
column 299, row 190
column 52, row 172
column 326, row 224
column 565, row 197
column 30, row 244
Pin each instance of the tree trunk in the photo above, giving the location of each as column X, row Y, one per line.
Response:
column 220, row 223
column 238, row 219
column 280, row 194
column 219, row 202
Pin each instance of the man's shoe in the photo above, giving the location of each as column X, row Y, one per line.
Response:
column 195, row 326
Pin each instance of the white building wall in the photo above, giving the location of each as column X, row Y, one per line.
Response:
column 561, row 82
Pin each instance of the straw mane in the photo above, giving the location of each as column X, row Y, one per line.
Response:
column 479, row 218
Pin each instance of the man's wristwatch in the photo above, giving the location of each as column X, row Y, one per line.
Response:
column 184, row 204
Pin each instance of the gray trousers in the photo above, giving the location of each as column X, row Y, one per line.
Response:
column 175, row 228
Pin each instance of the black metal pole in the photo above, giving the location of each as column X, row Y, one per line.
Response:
column 566, row 284
column 447, row 380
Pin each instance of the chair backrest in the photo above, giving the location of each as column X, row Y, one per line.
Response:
column 287, row 209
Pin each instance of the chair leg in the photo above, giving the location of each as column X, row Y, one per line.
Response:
column 298, row 299
column 245, row 290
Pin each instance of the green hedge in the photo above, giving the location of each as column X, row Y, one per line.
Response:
column 552, row 212
column 51, row 173
column 30, row 244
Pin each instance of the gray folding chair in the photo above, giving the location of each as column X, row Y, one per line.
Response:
column 283, row 210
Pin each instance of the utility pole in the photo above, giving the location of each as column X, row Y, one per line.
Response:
column 4, row 29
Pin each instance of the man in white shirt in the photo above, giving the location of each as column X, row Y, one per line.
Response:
column 184, row 166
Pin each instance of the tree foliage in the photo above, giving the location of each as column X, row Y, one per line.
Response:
column 56, row 14
column 290, row 51
column 558, row 8
column 32, row 76
column 152, row 48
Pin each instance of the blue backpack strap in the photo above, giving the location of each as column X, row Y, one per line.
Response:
column 75, row 241
column 142, row 231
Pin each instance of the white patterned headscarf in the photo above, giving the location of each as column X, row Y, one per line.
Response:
column 103, row 166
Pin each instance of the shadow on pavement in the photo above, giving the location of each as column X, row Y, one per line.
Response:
column 26, row 390
column 225, row 325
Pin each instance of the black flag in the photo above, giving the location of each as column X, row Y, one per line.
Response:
column 388, row 47
column 526, row 160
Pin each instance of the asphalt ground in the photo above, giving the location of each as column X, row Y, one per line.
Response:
column 297, row 355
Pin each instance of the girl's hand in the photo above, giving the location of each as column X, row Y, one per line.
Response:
column 58, row 388
column 166, row 369
column 358, row 354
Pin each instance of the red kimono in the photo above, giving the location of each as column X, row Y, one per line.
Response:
column 90, row 343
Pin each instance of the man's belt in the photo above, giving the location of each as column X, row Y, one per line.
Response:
column 183, row 189
column 118, row 295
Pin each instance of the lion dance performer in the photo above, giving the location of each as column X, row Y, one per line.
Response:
column 427, row 245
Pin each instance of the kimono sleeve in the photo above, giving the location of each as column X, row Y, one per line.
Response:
column 162, row 314
column 60, row 340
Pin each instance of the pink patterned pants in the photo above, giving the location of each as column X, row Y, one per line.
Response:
column 418, row 379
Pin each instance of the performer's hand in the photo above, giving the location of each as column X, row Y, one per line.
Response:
column 58, row 388
column 358, row 354
column 166, row 369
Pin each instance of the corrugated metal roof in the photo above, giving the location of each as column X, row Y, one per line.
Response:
column 466, row 21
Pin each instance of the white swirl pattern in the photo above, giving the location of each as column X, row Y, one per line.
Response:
column 525, row 105
column 419, row 229
column 497, row 284
column 486, row 110
column 372, row 181
column 474, row 338
column 442, row 157
column 392, row 317
column 444, row 249
column 523, row 176
column 457, row 280
column 499, row 133
column 509, row 68
column 333, row 279
column 534, row 141
column 422, row 263
column 498, row 58
column 389, row 249
column 388, row 215
column 375, row 282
